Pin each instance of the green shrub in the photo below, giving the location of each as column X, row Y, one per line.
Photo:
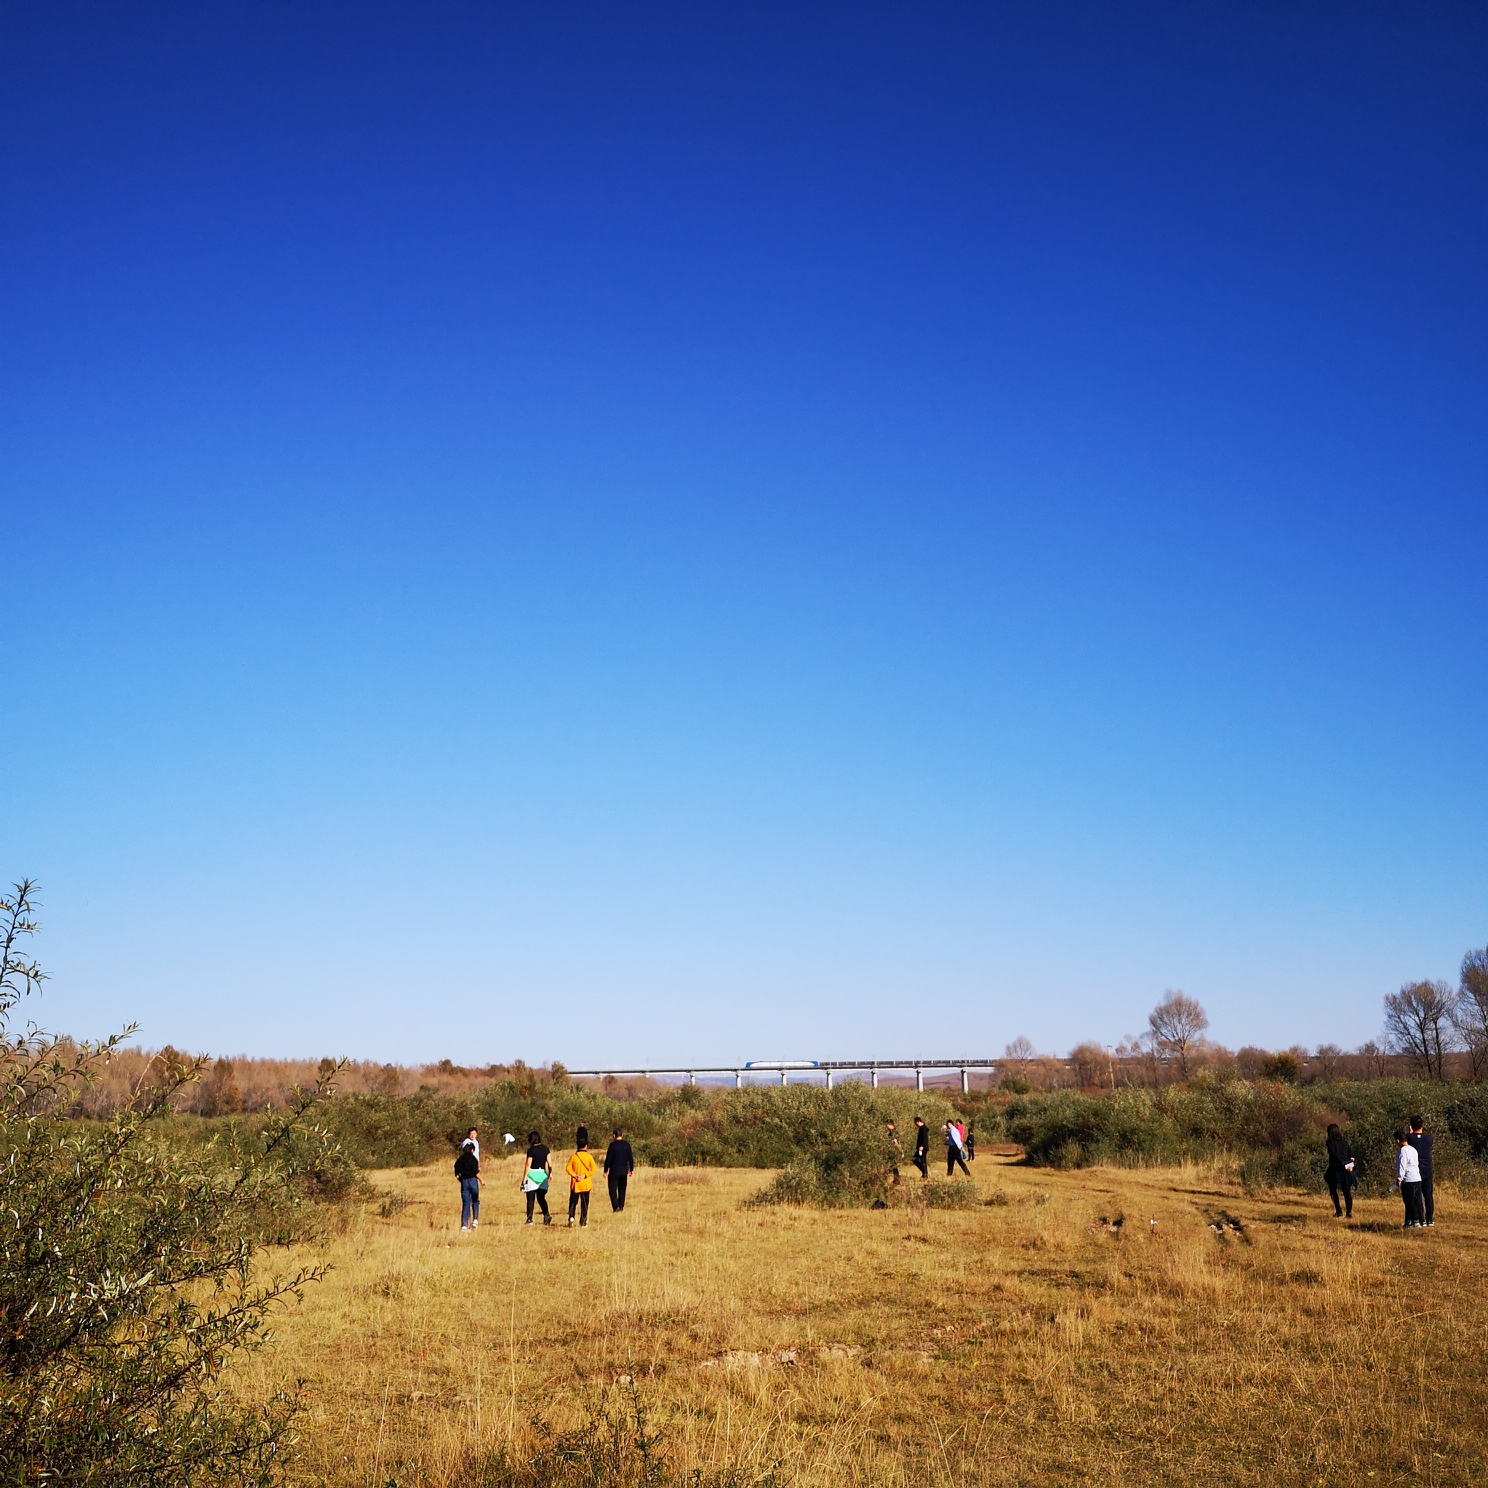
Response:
column 837, row 1151
column 130, row 1268
column 1275, row 1130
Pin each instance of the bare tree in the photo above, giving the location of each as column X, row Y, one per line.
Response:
column 1177, row 1024
column 1470, row 1010
column 1139, row 1050
column 1329, row 1058
column 1418, row 1022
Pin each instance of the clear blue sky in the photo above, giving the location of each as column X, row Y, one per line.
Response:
column 623, row 532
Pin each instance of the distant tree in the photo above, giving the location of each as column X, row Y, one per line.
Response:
column 1139, row 1050
column 1329, row 1059
column 1418, row 1022
column 1285, row 1066
column 219, row 1094
column 1470, row 1010
column 1092, row 1064
column 1177, row 1024
column 1017, row 1055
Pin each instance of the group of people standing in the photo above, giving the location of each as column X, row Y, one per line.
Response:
column 537, row 1173
column 1413, row 1174
column 960, row 1143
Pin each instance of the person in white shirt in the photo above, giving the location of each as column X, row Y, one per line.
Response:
column 954, row 1153
column 1408, row 1175
column 472, row 1141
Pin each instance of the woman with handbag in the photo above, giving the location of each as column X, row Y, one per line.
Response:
column 535, row 1179
column 1339, row 1173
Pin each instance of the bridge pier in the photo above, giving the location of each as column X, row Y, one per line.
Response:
column 829, row 1079
column 738, row 1079
column 965, row 1083
column 919, row 1079
column 873, row 1077
column 782, row 1077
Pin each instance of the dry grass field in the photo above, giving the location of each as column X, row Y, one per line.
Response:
column 1208, row 1337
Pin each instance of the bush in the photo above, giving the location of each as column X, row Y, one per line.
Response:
column 128, row 1268
column 1273, row 1128
column 838, row 1153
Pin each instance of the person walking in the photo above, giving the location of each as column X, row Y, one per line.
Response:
column 467, row 1170
column 1339, row 1173
column 954, row 1153
column 922, row 1147
column 537, row 1171
column 580, row 1169
column 619, row 1164
column 1420, row 1139
column 971, row 1143
column 1408, row 1175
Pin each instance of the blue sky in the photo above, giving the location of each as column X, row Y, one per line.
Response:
column 626, row 532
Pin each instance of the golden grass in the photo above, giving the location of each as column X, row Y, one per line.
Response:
column 1018, row 1343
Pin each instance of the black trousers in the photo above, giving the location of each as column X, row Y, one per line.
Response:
column 1427, row 1200
column 1415, row 1212
column 579, row 1201
column 1344, row 1186
column 617, row 1190
column 953, row 1156
column 537, row 1196
column 922, row 1161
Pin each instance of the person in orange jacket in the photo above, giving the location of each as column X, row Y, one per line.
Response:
column 580, row 1169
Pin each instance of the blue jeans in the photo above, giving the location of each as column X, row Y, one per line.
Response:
column 469, row 1201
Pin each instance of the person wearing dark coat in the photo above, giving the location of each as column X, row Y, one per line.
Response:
column 467, row 1170
column 1421, row 1140
column 1340, row 1172
column 619, row 1164
column 922, row 1147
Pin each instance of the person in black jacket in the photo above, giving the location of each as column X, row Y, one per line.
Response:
column 537, row 1170
column 1340, row 1172
column 1421, row 1140
column 922, row 1147
column 467, row 1170
column 619, row 1164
